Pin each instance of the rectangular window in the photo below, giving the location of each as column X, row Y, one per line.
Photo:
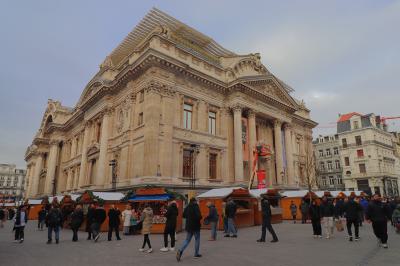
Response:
column 337, row 164
column 321, row 153
column 360, row 153
column 212, row 116
column 140, row 119
column 213, row 166
column 322, row 165
column 358, row 140
column 330, row 166
column 363, row 169
column 187, row 164
column 355, row 125
column 187, row 116
column 141, row 96
column 328, row 152
column 344, row 143
column 346, row 161
column 331, row 180
column 336, row 151
column 339, row 180
column 324, row 182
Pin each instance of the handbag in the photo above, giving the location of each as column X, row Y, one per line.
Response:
column 339, row 226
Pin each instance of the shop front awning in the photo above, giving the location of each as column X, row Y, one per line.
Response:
column 164, row 197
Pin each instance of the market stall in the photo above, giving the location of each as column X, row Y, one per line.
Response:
column 296, row 196
column 158, row 199
column 274, row 199
column 245, row 201
column 105, row 198
column 34, row 206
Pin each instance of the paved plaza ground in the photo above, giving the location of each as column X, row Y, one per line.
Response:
column 296, row 247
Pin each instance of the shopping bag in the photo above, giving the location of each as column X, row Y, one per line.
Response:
column 339, row 226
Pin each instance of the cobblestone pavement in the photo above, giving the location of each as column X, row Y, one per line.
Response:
column 296, row 247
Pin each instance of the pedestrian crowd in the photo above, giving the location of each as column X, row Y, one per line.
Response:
column 329, row 214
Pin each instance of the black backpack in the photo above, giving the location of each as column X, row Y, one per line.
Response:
column 54, row 217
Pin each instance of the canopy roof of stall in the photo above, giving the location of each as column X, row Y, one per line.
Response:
column 111, row 196
column 261, row 191
column 163, row 197
column 224, row 192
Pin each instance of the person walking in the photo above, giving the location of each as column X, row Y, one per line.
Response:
column 352, row 210
column 193, row 218
column 41, row 218
column 327, row 214
column 396, row 218
column 170, row 226
column 99, row 216
column 212, row 219
column 20, row 220
column 2, row 216
column 230, row 212
column 147, row 220
column 89, row 220
column 315, row 215
column 113, row 222
column 378, row 213
column 76, row 221
column 293, row 211
column 224, row 218
column 126, row 218
column 53, row 220
column 304, row 208
column 266, row 221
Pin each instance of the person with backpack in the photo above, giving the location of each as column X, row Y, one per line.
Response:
column 20, row 220
column 170, row 226
column 212, row 219
column 53, row 220
column 193, row 217
column 76, row 221
column 99, row 216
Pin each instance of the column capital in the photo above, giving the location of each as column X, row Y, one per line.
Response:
column 236, row 108
column 55, row 142
column 287, row 126
column 277, row 123
column 251, row 113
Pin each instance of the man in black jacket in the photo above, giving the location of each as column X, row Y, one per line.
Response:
column 378, row 213
column 42, row 218
column 113, row 222
column 327, row 213
column 99, row 216
column 170, row 226
column 76, row 221
column 89, row 220
column 230, row 212
column 352, row 210
column 193, row 217
column 266, row 221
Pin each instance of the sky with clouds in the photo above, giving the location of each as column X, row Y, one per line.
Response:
column 339, row 56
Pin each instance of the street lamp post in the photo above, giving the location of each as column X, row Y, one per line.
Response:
column 113, row 164
column 192, row 184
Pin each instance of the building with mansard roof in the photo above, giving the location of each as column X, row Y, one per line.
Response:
column 170, row 105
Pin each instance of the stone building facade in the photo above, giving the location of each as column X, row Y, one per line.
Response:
column 328, row 163
column 12, row 181
column 170, row 105
column 368, row 154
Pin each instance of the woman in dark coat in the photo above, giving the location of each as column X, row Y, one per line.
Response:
column 76, row 221
column 89, row 221
column 170, row 226
column 315, row 214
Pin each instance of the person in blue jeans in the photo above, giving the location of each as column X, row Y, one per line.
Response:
column 193, row 225
column 53, row 220
column 212, row 219
column 230, row 212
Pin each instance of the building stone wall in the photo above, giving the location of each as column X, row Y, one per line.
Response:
column 135, row 111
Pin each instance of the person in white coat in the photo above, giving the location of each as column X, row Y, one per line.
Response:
column 126, row 217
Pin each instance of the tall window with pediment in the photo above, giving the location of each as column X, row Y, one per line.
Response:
column 187, row 170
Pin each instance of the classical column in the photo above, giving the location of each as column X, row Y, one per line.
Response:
column 278, row 151
column 252, row 138
column 101, row 167
column 51, row 169
column 167, row 156
column 73, row 147
column 85, row 144
column 237, row 125
column 36, row 175
column 152, row 111
column 289, row 154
